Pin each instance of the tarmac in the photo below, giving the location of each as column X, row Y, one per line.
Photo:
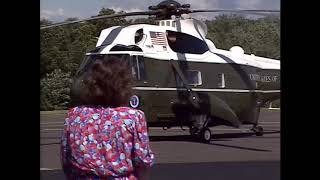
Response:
column 231, row 154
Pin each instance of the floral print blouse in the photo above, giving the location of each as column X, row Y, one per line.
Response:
column 105, row 142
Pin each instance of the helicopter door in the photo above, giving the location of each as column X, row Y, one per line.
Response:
column 138, row 69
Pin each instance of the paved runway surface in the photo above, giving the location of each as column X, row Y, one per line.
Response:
column 231, row 154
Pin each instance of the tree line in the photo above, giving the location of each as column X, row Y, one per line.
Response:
column 63, row 48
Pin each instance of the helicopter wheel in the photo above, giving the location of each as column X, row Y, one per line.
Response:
column 205, row 135
column 258, row 130
column 200, row 129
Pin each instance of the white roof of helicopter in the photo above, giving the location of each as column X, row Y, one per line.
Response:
column 192, row 27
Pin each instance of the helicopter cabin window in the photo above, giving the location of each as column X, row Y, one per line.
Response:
column 192, row 76
column 173, row 24
column 221, row 81
column 138, row 36
column 184, row 43
column 138, row 68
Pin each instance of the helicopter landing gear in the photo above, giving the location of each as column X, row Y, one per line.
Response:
column 193, row 131
column 205, row 135
column 258, row 130
column 200, row 129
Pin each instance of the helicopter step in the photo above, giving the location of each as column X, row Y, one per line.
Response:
column 258, row 130
column 252, row 118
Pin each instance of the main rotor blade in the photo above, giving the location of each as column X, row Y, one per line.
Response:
column 101, row 17
column 236, row 11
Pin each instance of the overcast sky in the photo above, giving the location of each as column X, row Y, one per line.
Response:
column 59, row 10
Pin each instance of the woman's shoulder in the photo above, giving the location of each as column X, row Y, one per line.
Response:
column 129, row 110
column 83, row 110
column 79, row 109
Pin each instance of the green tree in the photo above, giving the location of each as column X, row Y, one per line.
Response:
column 260, row 37
column 45, row 22
column 55, row 91
column 106, row 23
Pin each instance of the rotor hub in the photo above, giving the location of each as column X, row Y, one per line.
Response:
column 168, row 8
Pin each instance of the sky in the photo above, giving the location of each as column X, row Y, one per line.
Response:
column 59, row 10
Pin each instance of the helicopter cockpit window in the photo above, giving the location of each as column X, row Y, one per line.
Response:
column 90, row 59
column 138, row 68
column 184, row 43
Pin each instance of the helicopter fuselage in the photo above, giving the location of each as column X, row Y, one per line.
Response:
column 175, row 67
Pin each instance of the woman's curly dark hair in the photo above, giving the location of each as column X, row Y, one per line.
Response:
column 108, row 83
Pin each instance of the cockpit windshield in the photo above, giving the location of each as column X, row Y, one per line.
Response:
column 90, row 59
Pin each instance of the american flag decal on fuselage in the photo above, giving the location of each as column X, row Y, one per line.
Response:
column 158, row 38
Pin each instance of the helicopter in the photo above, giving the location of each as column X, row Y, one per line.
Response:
column 181, row 78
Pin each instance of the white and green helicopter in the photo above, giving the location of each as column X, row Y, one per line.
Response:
column 181, row 78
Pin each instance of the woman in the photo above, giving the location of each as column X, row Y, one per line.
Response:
column 104, row 139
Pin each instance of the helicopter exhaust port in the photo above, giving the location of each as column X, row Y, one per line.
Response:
column 237, row 50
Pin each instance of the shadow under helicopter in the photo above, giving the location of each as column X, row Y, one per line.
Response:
column 216, row 137
column 189, row 138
